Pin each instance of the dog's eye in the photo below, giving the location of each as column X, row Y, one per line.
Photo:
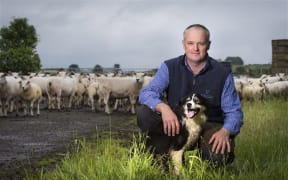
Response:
column 196, row 100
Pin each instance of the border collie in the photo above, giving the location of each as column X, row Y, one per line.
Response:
column 191, row 116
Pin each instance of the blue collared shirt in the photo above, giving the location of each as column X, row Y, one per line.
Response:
column 152, row 94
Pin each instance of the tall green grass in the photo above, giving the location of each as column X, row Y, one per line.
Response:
column 262, row 146
column 261, row 153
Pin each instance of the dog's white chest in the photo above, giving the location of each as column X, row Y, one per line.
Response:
column 194, row 131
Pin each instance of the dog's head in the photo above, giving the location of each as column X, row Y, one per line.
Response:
column 192, row 107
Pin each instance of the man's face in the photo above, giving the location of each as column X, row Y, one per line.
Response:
column 196, row 45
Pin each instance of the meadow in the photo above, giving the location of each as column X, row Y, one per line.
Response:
column 261, row 153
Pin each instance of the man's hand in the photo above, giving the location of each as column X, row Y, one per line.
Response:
column 170, row 122
column 220, row 141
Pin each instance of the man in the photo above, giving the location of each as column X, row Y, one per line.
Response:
column 195, row 71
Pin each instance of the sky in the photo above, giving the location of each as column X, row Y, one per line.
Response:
column 144, row 33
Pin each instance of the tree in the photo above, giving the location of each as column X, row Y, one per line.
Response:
column 240, row 70
column 74, row 68
column 18, row 44
column 98, row 69
column 234, row 60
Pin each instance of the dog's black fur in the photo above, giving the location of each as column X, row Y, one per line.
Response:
column 180, row 140
column 190, row 131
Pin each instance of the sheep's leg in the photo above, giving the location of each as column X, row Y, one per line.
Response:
column 116, row 104
column 99, row 103
column 1, row 109
column 49, row 105
column 91, row 100
column 17, row 105
column 38, row 107
column 58, row 100
column 25, row 108
column 12, row 105
column 106, row 102
column 70, row 101
column 31, row 108
column 6, row 106
column 132, row 102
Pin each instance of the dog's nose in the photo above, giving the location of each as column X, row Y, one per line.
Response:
column 189, row 105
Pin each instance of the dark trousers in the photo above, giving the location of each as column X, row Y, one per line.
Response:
column 150, row 123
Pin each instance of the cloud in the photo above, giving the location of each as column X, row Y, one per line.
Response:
column 143, row 33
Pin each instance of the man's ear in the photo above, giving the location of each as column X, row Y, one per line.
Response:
column 183, row 45
column 208, row 46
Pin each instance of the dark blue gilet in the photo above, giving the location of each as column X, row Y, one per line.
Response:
column 208, row 83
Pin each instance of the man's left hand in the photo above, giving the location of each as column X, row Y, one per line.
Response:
column 220, row 141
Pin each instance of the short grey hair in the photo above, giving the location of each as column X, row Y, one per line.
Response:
column 198, row 26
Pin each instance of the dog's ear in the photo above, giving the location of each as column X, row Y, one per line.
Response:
column 201, row 99
column 183, row 100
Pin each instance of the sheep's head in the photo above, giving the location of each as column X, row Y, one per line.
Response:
column 25, row 86
column 140, row 77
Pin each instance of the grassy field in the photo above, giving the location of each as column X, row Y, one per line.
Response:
column 261, row 153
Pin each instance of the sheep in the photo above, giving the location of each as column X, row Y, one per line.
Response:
column 120, row 87
column 42, row 81
column 79, row 94
column 239, row 83
column 272, row 79
column 92, row 91
column 30, row 93
column 61, row 87
column 252, row 91
column 9, row 93
column 277, row 89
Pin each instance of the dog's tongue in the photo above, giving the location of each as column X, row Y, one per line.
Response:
column 190, row 114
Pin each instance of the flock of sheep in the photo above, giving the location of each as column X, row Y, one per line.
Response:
column 259, row 88
column 64, row 90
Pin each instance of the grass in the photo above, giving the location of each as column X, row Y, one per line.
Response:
column 261, row 153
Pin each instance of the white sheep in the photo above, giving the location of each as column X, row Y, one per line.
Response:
column 79, row 94
column 9, row 92
column 61, row 88
column 272, row 79
column 92, row 91
column 120, row 87
column 277, row 89
column 30, row 93
column 252, row 91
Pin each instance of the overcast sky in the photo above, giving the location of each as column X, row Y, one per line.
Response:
column 143, row 33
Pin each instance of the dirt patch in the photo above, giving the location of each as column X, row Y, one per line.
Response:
column 25, row 140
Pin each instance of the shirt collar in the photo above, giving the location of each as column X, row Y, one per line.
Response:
column 206, row 67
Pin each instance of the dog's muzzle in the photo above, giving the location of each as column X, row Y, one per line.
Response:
column 192, row 112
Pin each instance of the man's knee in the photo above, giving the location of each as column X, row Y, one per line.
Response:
column 142, row 113
column 206, row 149
column 217, row 160
column 148, row 120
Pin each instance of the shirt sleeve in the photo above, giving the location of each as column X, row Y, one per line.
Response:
column 152, row 94
column 231, row 107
